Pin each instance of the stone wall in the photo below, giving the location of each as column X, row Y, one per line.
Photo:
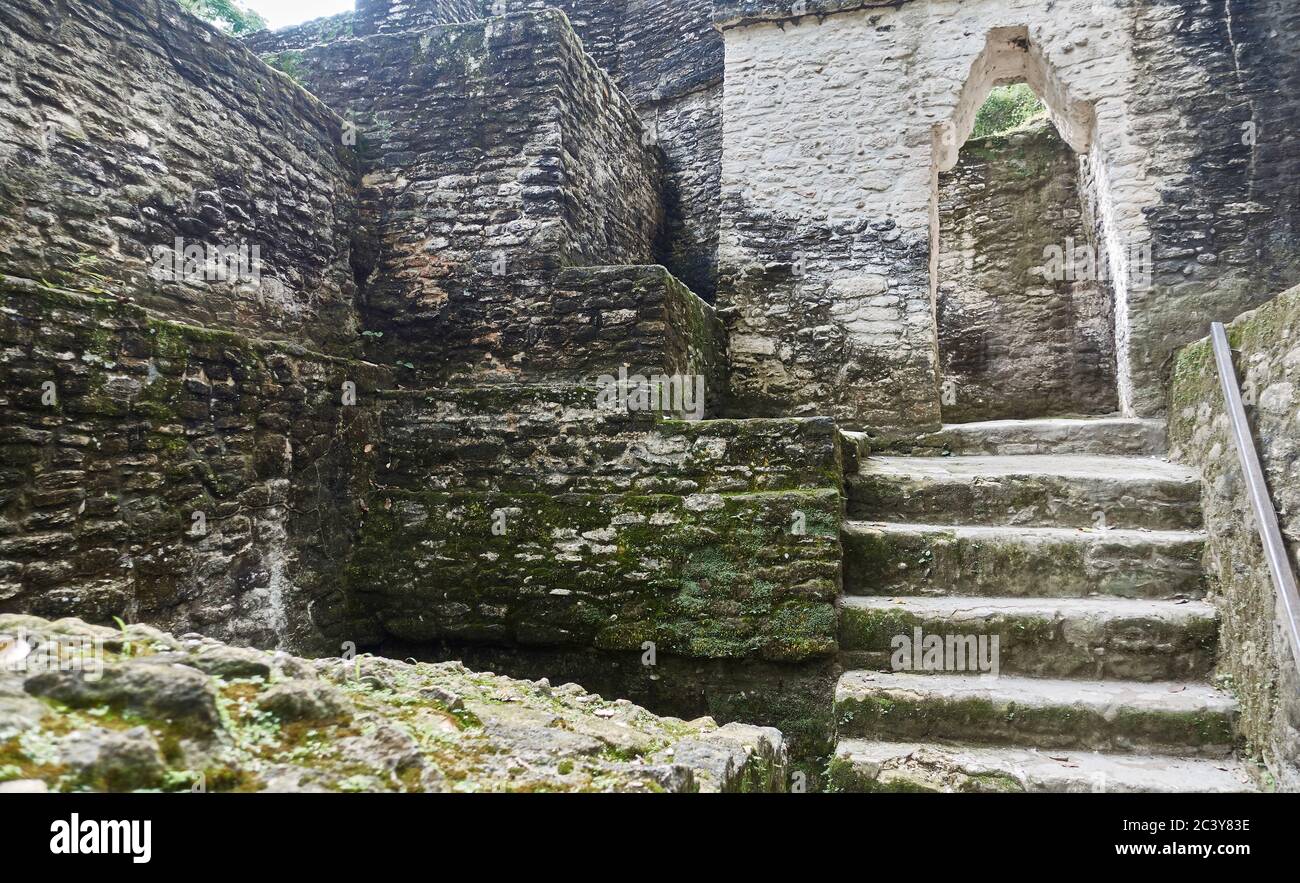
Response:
column 318, row 30
column 1255, row 657
column 1220, row 85
column 664, row 55
column 163, row 472
column 1022, row 333
column 864, row 102
column 127, row 125
column 388, row 16
column 533, row 516
column 584, row 322
column 177, row 446
column 495, row 154
column 694, row 566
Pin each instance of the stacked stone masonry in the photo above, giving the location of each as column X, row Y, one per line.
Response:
column 664, row 55
column 1256, row 656
column 130, row 127
column 162, row 472
column 494, row 154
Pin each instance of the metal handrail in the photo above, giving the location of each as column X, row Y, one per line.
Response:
column 1279, row 563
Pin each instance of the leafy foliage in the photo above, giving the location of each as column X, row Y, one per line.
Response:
column 1007, row 108
column 228, row 15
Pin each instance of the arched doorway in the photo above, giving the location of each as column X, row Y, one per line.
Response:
column 1025, row 324
column 1021, row 254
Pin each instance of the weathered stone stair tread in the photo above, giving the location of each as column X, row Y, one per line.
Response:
column 1159, row 717
column 977, row 609
column 1021, row 560
column 1045, row 637
column 1048, row 490
column 1130, row 436
column 1030, row 532
column 861, row 765
column 1063, row 465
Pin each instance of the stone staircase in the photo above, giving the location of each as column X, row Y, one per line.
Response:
column 1079, row 549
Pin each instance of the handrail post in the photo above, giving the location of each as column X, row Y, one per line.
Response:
column 1279, row 562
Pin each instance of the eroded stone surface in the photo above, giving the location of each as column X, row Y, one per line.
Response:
column 127, row 126
column 1059, row 638
column 1021, row 562
column 191, row 477
column 1160, row 717
column 907, row 767
column 1048, row 490
column 1117, row 436
column 133, row 713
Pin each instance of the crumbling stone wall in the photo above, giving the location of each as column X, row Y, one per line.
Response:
column 870, row 99
column 387, row 16
column 184, row 476
column 1254, row 653
column 495, row 154
column 1025, row 326
column 1226, row 230
column 179, row 451
column 126, row 125
column 664, row 55
column 310, row 33
column 588, row 321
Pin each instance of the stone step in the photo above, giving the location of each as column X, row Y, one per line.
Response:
column 925, row 559
column 1043, row 490
column 1122, row 436
column 1043, row 637
column 855, row 447
column 862, row 766
column 1159, row 718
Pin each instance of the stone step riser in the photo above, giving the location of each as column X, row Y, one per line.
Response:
column 1043, row 643
column 1026, row 500
column 899, row 560
column 886, row 767
column 1111, row 437
column 978, row 719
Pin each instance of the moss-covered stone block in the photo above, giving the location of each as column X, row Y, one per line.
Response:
column 705, row 575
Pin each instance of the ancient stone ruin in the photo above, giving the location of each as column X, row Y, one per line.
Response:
column 696, row 352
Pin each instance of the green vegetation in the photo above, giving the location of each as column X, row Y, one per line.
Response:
column 229, row 15
column 1007, row 108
